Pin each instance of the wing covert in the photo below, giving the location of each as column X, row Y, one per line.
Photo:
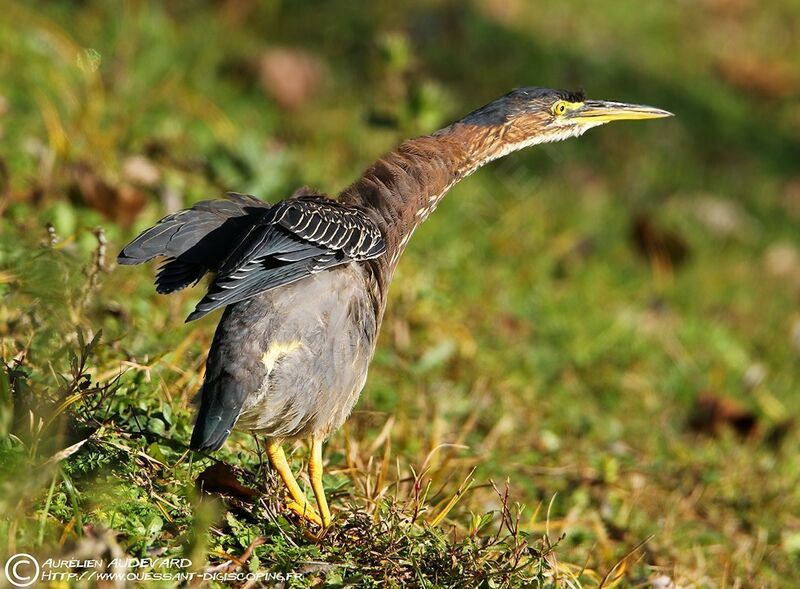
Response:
column 331, row 224
column 298, row 237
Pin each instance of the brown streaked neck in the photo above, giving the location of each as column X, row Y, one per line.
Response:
column 402, row 188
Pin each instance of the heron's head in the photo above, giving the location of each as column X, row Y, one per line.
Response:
column 528, row 116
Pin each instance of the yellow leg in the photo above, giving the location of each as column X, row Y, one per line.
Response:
column 315, row 474
column 298, row 503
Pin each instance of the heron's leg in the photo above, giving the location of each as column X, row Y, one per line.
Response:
column 299, row 504
column 315, row 474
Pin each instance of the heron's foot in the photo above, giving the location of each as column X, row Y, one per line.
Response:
column 304, row 510
column 296, row 500
column 315, row 474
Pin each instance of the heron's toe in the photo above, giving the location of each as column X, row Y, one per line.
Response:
column 305, row 511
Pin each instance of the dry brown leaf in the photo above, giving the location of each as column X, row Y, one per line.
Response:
column 722, row 216
column 782, row 260
column 770, row 78
column 790, row 199
column 140, row 170
column 289, row 76
column 713, row 412
column 220, row 479
column 661, row 246
column 120, row 203
column 731, row 8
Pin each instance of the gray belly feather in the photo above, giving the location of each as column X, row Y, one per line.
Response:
column 314, row 340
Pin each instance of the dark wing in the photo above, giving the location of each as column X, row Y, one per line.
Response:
column 296, row 238
column 196, row 240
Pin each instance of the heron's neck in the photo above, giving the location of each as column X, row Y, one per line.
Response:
column 401, row 189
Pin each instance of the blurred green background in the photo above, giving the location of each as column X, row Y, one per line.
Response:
column 611, row 324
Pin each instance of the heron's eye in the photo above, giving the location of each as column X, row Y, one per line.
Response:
column 559, row 108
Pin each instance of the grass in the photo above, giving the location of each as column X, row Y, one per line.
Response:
column 537, row 390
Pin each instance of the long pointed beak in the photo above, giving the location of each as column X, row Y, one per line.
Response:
column 602, row 111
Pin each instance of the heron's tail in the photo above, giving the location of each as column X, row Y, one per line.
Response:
column 194, row 241
column 233, row 371
column 220, row 405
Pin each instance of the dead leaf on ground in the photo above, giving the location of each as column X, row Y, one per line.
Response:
column 713, row 412
column 504, row 12
column 138, row 169
column 220, row 479
column 759, row 76
column 512, row 327
column 663, row 247
column 237, row 12
column 721, row 216
column 120, row 203
column 289, row 76
column 782, row 260
column 732, row 8
column 790, row 199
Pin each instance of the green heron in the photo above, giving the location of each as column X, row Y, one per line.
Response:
column 304, row 281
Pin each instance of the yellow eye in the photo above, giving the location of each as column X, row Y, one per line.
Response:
column 559, row 108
